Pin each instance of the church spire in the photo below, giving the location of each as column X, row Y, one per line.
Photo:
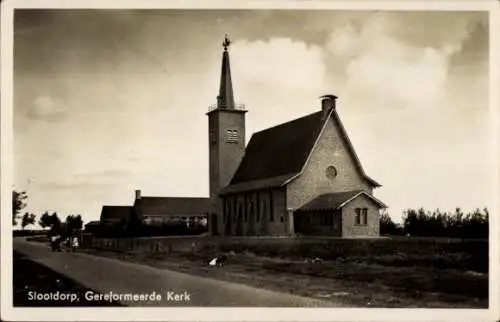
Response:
column 225, row 100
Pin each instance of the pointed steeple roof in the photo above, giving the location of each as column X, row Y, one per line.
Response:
column 225, row 100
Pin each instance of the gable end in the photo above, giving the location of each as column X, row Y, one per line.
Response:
column 335, row 118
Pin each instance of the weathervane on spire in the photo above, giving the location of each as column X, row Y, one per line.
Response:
column 226, row 43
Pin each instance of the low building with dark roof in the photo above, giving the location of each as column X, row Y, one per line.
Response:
column 162, row 210
column 157, row 211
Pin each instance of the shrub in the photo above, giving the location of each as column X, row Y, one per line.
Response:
column 443, row 224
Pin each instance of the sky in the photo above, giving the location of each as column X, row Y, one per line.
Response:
column 106, row 102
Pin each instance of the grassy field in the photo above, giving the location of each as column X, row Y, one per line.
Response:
column 373, row 273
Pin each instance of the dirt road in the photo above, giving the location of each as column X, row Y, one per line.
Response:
column 160, row 287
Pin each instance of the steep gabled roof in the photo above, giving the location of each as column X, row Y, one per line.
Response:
column 284, row 150
column 116, row 213
column 166, row 206
column 279, row 150
column 333, row 201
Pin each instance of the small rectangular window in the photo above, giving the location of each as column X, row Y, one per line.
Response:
column 357, row 219
column 365, row 216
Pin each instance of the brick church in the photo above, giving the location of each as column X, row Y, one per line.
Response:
column 302, row 177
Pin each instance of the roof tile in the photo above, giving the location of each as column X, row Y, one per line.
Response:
column 116, row 213
column 279, row 150
column 335, row 200
column 167, row 206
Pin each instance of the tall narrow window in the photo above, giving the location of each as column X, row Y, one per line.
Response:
column 229, row 209
column 251, row 214
column 257, row 208
column 357, row 219
column 247, row 208
column 245, row 203
column 235, row 209
column 213, row 136
column 224, row 211
column 240, row 210
column 271, row 210
column 365, row 216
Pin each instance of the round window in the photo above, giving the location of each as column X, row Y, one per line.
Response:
column 331, row 172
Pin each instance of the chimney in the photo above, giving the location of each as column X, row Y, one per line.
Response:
column 138, row 194
column 327, row 103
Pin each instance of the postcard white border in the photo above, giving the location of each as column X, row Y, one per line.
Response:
column 246, row 314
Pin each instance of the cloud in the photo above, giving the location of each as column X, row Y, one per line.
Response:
column 408, row 77
column 280, row 63
column 277, row 79
column 46, row 108
column 393, row 60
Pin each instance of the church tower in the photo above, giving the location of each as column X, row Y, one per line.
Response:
column 226, row 126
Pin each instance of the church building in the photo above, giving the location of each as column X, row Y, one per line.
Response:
column 302, row 177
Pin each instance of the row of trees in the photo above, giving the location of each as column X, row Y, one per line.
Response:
column 419, row 222
column 416, row 222
column 46, row 220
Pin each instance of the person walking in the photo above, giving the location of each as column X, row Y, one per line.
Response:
column 74, row 243
column 53, row 240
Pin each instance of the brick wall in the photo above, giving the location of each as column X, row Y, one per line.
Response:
column 330, row 150
column 150, row 245
column 277, row 227
column 263, row 201
column 224, row 157
column 306, row 247
column 349, row 227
